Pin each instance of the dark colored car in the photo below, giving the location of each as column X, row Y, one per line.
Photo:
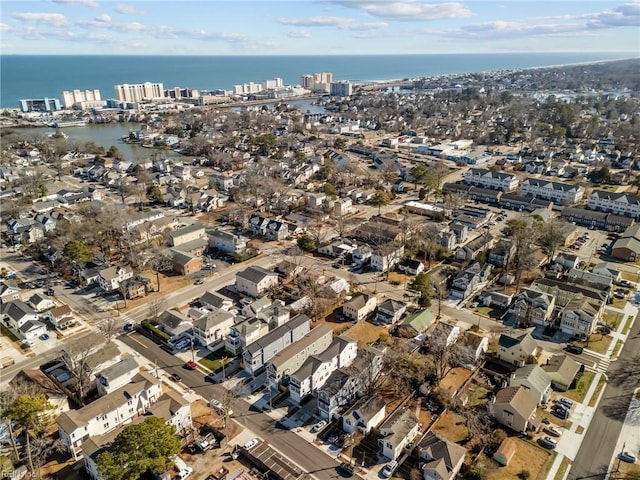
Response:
column 574, row 349
column 345, row 469
column 175, row 377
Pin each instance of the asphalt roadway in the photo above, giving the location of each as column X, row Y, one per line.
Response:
column 597, row 448
column 311, row 459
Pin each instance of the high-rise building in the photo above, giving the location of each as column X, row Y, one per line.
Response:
column 317, row 82
column 247, row 88
column 179, row 93
column 273, row 84
column 139, row 92
column 341, row 89
column 76, row 98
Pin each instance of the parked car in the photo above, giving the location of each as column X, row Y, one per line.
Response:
column 547, row 442
column 44, row 336
column 199, row 281
column 565, row 401
column 175, row 377
column 251, row 443
column 318, row 426
column 184, row 474
column 345, row 469
column 574, row 349
column 627, row 457
column 389, row 468
column 560, row 413
column 625, row 283
column 553, row 431
column 191, row 365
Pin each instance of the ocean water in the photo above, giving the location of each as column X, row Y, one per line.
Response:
column 37, row 76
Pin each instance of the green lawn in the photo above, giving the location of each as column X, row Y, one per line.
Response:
column 596, row 392
column 582, row 385
column 5, row 331
column 214, row 360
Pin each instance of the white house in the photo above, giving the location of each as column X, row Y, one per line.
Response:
column 315, row 371
column 359, row 306
column 618, row 203
column 213, row 327
column 110, row 278
column 108, row 413
column 22, row 320
column 389, row 312
column 448, row 332
column 227, row 242
column 255, row 281
column 386, row 258
column 367, row 413
column 41, row 303
column 116, row 376
column 400, row 428
column 60, row 317
column 559, row 193
column 482, row 177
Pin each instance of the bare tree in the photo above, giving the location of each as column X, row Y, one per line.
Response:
column 108, row 328
column 160, row 261
column 429, row 241
column 76, row 357
column 550, row 237
column 156, row 307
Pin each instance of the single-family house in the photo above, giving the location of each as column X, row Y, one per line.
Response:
column 212, row 328
column 22, row 320
column 60, row 317
column 446, row 332
column 411, row 267
column 227, row 242
column 174, row 323
column 252, row 309
column 184, row 263
column 400, row 428
column 608, row 269
column 567, row 261
column 110, row 278
column 359, row 307
column 245, row 333
column 175, row 409
column 8, row 293
column 418, row 322
column 476, row 343
column 443, row 459
column 386, row 257
column 255, row 281
column 389, row 312
column 38, row 382
column 515, row 408
column 367, row 413
column 41, row 303
column 516, row 347
column 535, row 379
column 493, row 299
column 212, row 299
column 532, row 307
column 469, row 279
column 562, row 369
column 187, row 234
column 580, row 316
column 501, row 253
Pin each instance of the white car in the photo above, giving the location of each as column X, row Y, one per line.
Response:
column 251, row 443
column 389, row 468
column 318, row 426
column 186, row 473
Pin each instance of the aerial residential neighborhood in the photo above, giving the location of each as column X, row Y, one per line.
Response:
column 372, row 291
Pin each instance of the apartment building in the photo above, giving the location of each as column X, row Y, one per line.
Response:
column 618, row 203
column 139, row 92
column 482, row 177
column 559, row 193
column 108, row 413
column 82, row 99
column 292, row 357
column 315, row 371
column 256, row 355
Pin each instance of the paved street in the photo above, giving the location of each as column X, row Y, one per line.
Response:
column 599, row 444
column 291, row 445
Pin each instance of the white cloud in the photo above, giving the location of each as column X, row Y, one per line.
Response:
column 125, row 9
column 362, row 27
column 501, row 29
column 409, row 11
column 104, row 18
column 626, row 15
column 5, row 28
column 315, row 21
column 84, row 3
column 298, row 33
column 169, row 33
column 55, row 19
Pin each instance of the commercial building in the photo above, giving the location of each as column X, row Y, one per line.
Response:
column 39, row 104
column 139, row 92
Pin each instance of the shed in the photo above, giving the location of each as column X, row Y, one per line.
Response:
column 505, row 452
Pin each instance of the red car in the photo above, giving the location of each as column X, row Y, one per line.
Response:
column 191, row 365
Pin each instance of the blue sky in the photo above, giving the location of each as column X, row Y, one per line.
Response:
column 317, row 27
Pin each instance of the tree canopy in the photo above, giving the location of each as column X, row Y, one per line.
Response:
column 76, row 251
column 151, row 444
column 422, row 284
